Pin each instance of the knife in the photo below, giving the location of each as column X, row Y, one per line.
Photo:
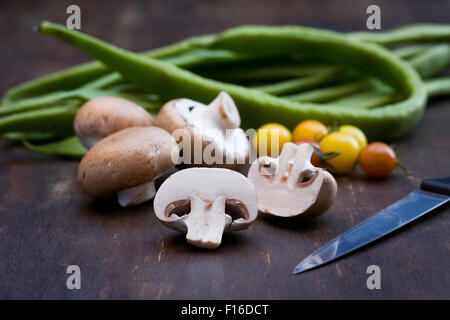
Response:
column 432, row 194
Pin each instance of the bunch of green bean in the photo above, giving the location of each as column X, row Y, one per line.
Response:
column 282, row 74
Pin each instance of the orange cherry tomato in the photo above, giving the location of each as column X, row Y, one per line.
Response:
column 310, row 130
column 315, row 160
column 378, row 160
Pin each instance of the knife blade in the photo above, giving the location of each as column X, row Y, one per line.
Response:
column 432, row 194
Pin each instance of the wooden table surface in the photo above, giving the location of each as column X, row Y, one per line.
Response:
column 46, row 223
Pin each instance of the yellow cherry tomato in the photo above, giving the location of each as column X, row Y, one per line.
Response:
column 310, row 130
column 270, row 138
column 356, row 133
column 346, row 145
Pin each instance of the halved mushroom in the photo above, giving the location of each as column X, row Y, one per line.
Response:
column 214, row 127
column 290, row 186
column 102, row 116
column 127, row 163
column 206, row 202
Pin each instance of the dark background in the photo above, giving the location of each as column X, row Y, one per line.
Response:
column 46, row 223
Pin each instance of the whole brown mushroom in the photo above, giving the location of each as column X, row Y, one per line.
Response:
column 127, row 163
column 102, row 116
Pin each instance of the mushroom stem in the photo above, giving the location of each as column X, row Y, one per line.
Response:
column 302, row 168
column 136, row 195
column 223, row 112
column 88, row 141
column 285, row 162
column 206, row 222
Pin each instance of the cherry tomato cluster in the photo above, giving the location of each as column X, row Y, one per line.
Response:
column 338, row 149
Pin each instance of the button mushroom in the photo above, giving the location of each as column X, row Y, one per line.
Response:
column 102, row 116
column 127, row 163
column 206, row 202
column 290, row 186
column 215, row 128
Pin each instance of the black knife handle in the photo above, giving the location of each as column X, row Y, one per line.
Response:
column 441, row 186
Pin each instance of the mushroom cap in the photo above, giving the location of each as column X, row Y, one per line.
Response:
column 170, row 118
column 126, row 159
column 102, row 116
column 172, row 201
column 187, row 114
column 306, row 193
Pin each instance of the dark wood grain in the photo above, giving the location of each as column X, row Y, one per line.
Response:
column 46, row 223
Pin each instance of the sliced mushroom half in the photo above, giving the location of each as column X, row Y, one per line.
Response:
column 290, row 186
column 127, row 163
column 215, row 128
column 206, row 202
column 102, row 116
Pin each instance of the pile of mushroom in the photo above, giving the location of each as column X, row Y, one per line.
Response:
column 290, row 186
column 206, row 202
column 207, row 135
column 128, row 153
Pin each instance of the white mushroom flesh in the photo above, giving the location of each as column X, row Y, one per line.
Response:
column 136, row 195
column 206, row 222
column 206, row 190
column 88, row 141
column 223, row 112
column 217, row 123
column 289, row 185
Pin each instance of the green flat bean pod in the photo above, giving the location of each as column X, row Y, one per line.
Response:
column 365, row 100
column 69, row 147
column 79, row 75
column 256, row 108
column 61, row 80
column 412, row 50
column 105, row 81
column 264, row 73
column 411, row 33
column 438, row 87
column 299, row 84
column 187, row 59
column 329, row 93
column 75, row 98
column 76, row 76
column 197, row 57
column 431, row 61
column 47, row 100
column 29, row 136
column 58, row 120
